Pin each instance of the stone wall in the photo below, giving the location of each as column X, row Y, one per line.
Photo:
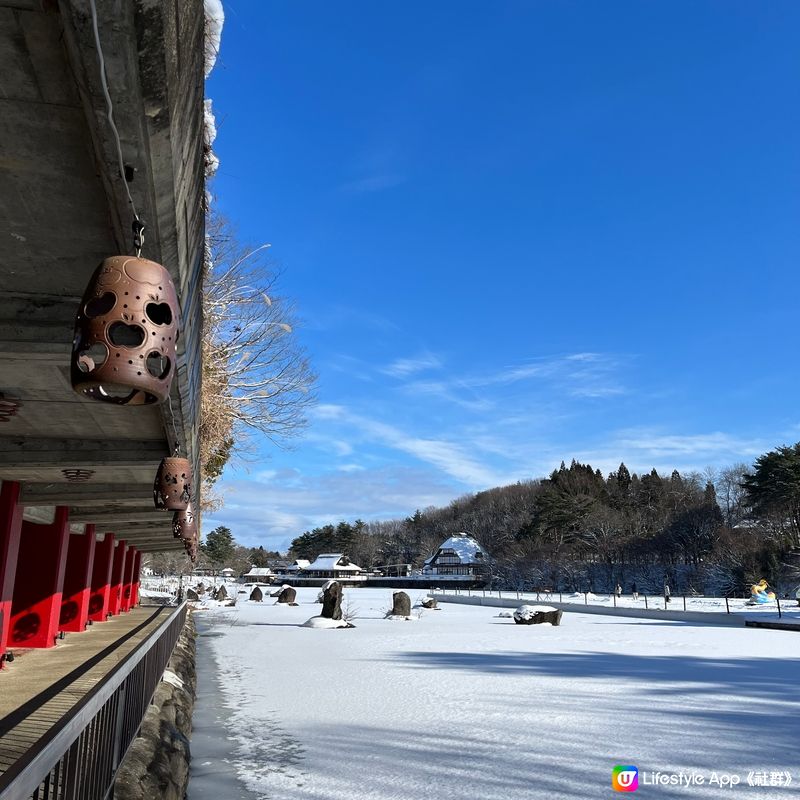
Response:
column 157, row 763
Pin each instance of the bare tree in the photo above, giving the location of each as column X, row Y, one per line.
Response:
column 256, row 377
column 731, row 493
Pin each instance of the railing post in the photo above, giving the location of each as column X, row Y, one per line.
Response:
column 645, row 602
column 586, row 598
column 779, row 605
column 727, row 607
column 118, row 722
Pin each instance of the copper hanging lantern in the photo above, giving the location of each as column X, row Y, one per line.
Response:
column 191, row 549
column 172, row 489
column 184, row 524
column 126, row 329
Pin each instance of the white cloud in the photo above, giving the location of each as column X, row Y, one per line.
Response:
column 273, row 514
column 659, row 444
column 403, row 367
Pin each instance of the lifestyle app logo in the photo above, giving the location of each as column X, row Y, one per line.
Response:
column 624, row 778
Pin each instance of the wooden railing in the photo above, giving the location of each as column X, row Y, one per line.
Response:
column 78, row 757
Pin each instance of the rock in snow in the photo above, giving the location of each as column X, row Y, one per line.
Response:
column 288, row 595
column 332, row 601
column 401, row 605
column 537, row 615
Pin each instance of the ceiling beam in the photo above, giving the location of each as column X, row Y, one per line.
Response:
column 24, row 452
column 95, row 515
column 37, row 327
column 80, row 494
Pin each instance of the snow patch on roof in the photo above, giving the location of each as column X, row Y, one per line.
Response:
column 259, row 572
column 330, row 561
column 215, row 18
column 464, row 546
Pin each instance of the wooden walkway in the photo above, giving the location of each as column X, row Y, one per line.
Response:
column 40, row 686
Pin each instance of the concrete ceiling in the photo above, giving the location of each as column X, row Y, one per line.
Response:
column 63, row 209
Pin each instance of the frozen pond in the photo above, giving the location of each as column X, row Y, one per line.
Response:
column 463, row 703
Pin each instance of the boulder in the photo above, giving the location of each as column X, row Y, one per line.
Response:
column 256, row 595
column 429, row 602
column 277, row 592
column 287, row 596
column 222, row 594
column 191, row 594
column 332, row 600
column 321, row 595
column 536, row 615
column 401, row 605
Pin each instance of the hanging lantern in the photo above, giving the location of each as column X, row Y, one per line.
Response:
column 125, row 333
column 172, row 489
column 191, row 549
column 184, row 524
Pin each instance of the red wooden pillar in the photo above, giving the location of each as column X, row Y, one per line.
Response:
column 78, row 581
column 10, row 530
column 101, row 579
column 135, row 580
column 117, row 573
column 127, row 579
column 40, row 578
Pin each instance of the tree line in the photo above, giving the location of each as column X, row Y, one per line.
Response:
column 716, row 531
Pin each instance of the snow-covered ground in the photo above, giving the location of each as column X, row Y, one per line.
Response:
column 461, row 703
column 790, row 611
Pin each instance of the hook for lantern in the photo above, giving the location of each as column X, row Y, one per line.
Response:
column 138, row 236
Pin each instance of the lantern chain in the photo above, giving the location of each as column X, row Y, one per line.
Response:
column 138, row 227
column 138, row 236
column 174, row 426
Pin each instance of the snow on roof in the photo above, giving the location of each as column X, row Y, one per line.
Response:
column 259, row 572
column 330, row 561
column 463, row 545
column 215, row 19
column 297, row 564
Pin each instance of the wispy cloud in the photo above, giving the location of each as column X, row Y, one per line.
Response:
column 677, row 445
column 591, row 375
column 274, row 512
column 451, row 393
column 403, row 367
column 451, row 457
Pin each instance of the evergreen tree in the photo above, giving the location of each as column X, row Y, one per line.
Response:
column 773, row 490
column 219, row 546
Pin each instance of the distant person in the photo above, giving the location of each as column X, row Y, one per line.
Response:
column 619, row 591
column 634, row 591
column 667, row 593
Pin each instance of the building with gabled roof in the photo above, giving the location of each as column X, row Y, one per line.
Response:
column 259, row 575
column 332, row 565
column 459, row 555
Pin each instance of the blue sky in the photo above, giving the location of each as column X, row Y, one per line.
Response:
column 516, row 233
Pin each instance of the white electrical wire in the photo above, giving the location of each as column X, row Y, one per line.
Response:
column 110, row 106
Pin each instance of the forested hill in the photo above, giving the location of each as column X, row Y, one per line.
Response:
column 726, row 526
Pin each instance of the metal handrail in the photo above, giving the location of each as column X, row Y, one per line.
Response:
column 26, row 776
